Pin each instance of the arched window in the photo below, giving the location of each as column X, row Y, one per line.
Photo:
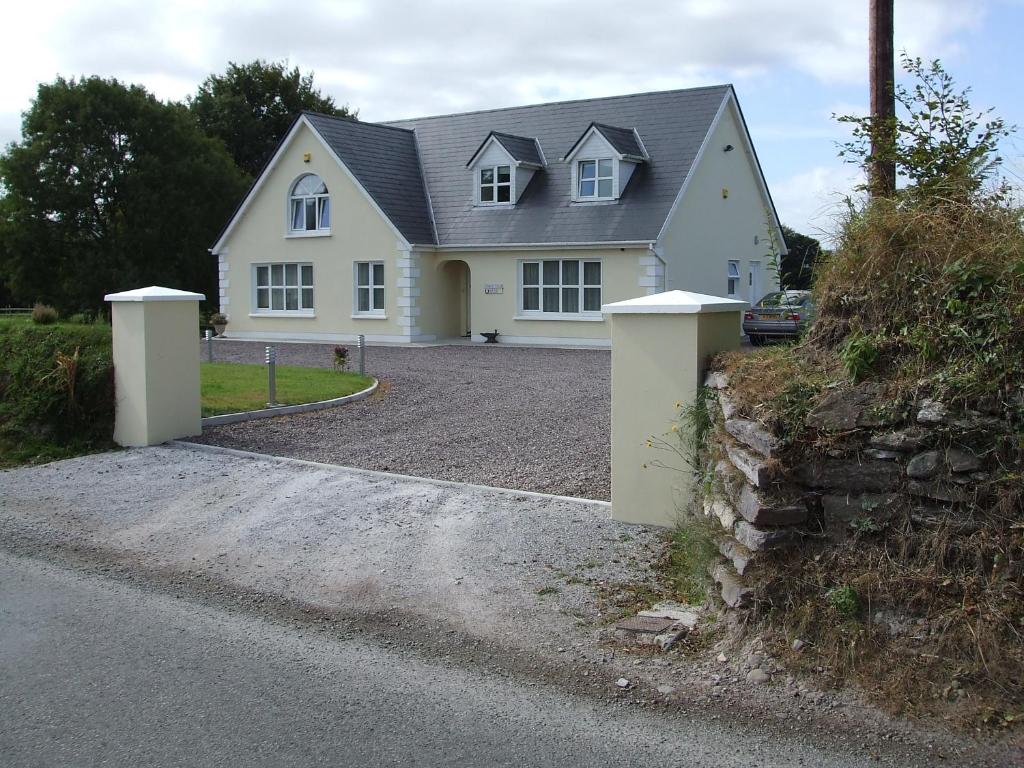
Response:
column 310, row 205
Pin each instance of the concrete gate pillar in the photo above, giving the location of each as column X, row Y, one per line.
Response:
column 156, row 365
column 661, row 345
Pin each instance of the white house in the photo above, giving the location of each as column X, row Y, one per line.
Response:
column 522, row 220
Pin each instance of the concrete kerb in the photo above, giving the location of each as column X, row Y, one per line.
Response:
column 284, row 410
column 372, row 473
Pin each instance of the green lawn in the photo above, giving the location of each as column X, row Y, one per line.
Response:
column 234, row 387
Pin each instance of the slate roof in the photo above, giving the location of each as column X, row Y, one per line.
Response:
column 385, row 161
column 521, row 148
column 622, row 139
column 398, row 162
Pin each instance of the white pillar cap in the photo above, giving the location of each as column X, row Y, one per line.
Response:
column 674, row 302
column 154, row 293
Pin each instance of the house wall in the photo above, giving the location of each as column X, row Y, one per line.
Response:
column 358, row 233
column 708, row 230
column 621, row 271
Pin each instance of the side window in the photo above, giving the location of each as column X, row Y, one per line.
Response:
column 733, row 280
column 369, row 287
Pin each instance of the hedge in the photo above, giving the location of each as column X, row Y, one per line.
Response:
column 56, row 389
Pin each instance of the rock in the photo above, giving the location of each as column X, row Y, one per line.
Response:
column 932, row 412
column 840, row 409
column 668, row 639
column 753, row 435
column 734, row 593
column 754, row 660
column 676, row 612
column 722, row 658
column 798, row 645
column 665, row 690
column 882, row 454
column 938, row 490
column 760, row 511
column 882, row 414
column 736, row 553
column 716, row 380
column 723, row 511
column 909, row 439
column 924, row 465
column 758, row 677
column 727, row 404
column 849, row 475
column 642, row 630
column 755, row 468
column 622, row 682
column 840, row 510
column 755, row 539
column 962, row 461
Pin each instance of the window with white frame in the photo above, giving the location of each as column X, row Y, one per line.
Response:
column 283, row 287
column 560, row 286
column 733, row 284
column 496, row 184
column 309, row 205
column 595, row 179
column 370, row 287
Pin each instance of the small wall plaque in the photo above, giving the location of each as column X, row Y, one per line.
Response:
column 494, row 288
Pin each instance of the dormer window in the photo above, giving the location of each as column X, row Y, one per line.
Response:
column 496, row 184
column 596, row 179
column 501, row 169
column 309, row 206
column 602, row 161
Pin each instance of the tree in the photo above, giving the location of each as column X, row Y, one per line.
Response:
column 251, row 106
column 110, row 189
column 944, row 148
column 797, row 267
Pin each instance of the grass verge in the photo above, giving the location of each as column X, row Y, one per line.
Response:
column 236, row 387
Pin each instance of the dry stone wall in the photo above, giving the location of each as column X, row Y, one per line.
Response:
column 877, row 458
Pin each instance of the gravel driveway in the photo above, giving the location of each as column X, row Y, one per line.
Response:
column 524, row 418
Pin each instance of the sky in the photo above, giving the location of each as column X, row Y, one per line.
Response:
column 794, row 63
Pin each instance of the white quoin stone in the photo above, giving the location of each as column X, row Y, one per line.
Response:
column 156, row 365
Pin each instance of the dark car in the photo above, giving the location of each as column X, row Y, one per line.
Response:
column 779, row 315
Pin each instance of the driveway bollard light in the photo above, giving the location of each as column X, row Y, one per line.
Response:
column 272, row 376
column 361, row 343
column 209, row 345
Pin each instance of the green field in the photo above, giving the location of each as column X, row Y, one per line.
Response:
column 235, row 387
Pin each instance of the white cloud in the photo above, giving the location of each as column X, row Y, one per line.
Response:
column 812, row 201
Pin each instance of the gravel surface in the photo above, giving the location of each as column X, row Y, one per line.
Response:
column 511, row 417
column 511, row 590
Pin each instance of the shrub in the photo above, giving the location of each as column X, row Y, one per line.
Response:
column 56, row 389
column 43, row 314
column 340, row 358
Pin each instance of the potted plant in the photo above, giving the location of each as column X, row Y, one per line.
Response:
column 219, row 321
column 341, row 358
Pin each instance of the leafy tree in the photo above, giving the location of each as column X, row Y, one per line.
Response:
column 251, row 106
column 940, row 143
column 797, row 266
column 110, row 189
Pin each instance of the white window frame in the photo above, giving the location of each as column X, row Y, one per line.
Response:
column 371, row 286
column 495, row 185
column 598, row 178
column 581, row 286
column 321, row 201
column 732, row 280
column 305, row 290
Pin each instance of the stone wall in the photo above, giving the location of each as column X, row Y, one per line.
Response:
column 871, row 459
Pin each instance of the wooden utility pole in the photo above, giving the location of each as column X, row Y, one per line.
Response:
column 882, row 173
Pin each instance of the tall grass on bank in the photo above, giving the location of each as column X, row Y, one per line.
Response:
column 931, row 296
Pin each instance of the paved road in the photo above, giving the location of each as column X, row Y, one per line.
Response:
column 98, row 672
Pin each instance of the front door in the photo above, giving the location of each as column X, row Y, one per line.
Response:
column 754, row 282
